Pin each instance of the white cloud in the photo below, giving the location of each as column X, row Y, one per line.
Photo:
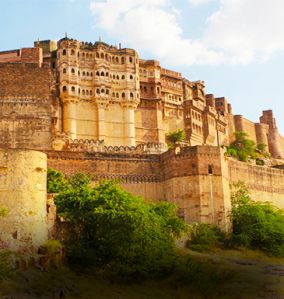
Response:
column 240, row 31
column 199, row 2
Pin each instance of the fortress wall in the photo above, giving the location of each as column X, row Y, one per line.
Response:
column 264, row 183
column 146, row 128
column 20, row 79
column 244, row 125
column 23, row 193
column 196, row 179
column 99, row 166
column 86, row 121
column 25, row 102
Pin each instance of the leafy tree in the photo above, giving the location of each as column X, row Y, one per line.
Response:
column 175, row 137
column 244, row 149
column 3, row 211
column 257, row 225
column 119, row 230
column 55, row 181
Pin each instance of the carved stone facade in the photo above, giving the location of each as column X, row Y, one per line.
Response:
column 85, row 91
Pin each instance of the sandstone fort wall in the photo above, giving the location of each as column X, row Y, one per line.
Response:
column 23, row 193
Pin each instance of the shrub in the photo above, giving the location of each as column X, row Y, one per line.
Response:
column 55, row 181
column 116, row 229
column 205, row 237
column 174, row 137
column 257, row 225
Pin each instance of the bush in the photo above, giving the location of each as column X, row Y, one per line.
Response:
column 55, row 181
column 257, row 225
column 205, row 237
column 174, row 137
column 116, row 229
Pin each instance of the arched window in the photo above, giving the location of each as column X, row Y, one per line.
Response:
column 113, row 59
column 72, row 71
column 122, row 77
column 97, row 55
column 78, row 73
column 123, row 95
column 88, row 74
column 117, row 95
column 102, row 55
column 158, row 89
column 131, row 95
column 102, row 73
column 131, row 77
column 79, row 91
column 91, row 74
column 84, row 73
column 91, row 55
column 64, row 71
column 87, row 92
column 98, row 91
column 72, row 52
column 113, row 95
column 130, row 59
column 73, row 89
column 106, row 57
column 102, row 91
column 83, row 54
column 83, row 91
column 87, row 55
column 145, row 89
column 106, row 74
column 64, row 52
column 107, row 91
column 64, row 89
column 122, row 60
column 117, row 77
column 97, row 73
column 91, row 93
column 116, row 60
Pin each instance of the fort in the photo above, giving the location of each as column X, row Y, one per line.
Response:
column 100, row 109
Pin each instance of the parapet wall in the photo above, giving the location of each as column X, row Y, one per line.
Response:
column 25, row 106
column 23, row 193
column 264, row 183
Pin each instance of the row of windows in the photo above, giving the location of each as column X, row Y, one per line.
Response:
column 145, row 89
column 114, row 59
column 170, row 83
column 99, row 91
column 196, row 115
column 174, row 98
column 197, row 128
column 102, row 74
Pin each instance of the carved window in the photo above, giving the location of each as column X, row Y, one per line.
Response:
column 122, row 60
column 117, row 77
column 64, row 71
column 130, row 59
column 73, row 89
column 97, row 73
column 98, row 91
column 122, row 77
column 97, row 55
column 72, row 71
column 131, row 95
column 131, row 77
column 102, row 73
column 64, row 52
column 102, row 55
column 210, row 169
column 123, row 95
column 106, row 74
column 107, row 91
column 87, row 92
column 72, row 52
column 102, row 91
column 117, row 95
column 88, row 74
column 83, row 91
column 64, row 89
column 116, row 60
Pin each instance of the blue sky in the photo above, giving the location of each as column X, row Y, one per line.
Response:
column 236, row 46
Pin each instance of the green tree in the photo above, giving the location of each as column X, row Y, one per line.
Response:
column 243, row 148
column 55, row 181
column 175, row 137
column 257, row 225
column 118, row 229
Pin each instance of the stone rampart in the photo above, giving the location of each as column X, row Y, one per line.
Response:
column 23, row 193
